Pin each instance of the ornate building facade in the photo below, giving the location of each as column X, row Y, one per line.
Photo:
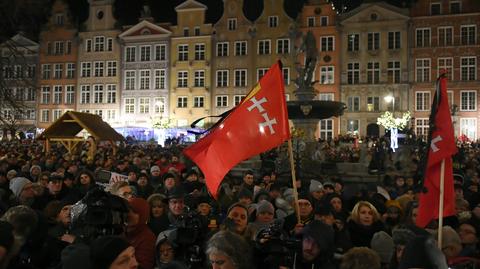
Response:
column 145, row 69
column 374, row 67
column 58, row 66
column 99, row 55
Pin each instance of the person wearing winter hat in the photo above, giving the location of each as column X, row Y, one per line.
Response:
column 139, row 234
column 144, row 188
column 382, row 244
column 393, row 215
column 306, row 213
column 316, row 190
column 317, row 246
column 155, row 176
column 112, row 252
column 265, row 211
column 23, row 190
column 11, row 174
column 169, row 183
column 329, row 187
column 422, row 252
column 264, row 216
column 401, row 235
column 237, row 220
column 35, row 172
column 324, row 213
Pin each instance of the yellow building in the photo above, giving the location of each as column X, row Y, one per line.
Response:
column 190, row 62
column 234, row 54
column 273, row 34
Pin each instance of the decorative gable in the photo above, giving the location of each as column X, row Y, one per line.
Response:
column 372, row 12
column 190, row 5
column 145, row 28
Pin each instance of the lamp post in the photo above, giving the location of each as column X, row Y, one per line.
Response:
column 390, row 99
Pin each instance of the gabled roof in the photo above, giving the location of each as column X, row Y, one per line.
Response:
column 155, row 29
column 189, row 5
column 71, row 123
column 385, row 7
column 21, row 41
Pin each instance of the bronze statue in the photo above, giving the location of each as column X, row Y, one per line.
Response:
column 304, row 80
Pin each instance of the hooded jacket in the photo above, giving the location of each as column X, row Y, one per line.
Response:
column 140, row 236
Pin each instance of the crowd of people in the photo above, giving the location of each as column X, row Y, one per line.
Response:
column 58, row 210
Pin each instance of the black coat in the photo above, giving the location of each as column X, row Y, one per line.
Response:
column 361, row 235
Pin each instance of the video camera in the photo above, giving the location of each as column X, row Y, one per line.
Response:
column 276, row 246
column 191, row 229
column 98, row 213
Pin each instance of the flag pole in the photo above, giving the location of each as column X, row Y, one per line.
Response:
column 441, row 202
column 294, row 179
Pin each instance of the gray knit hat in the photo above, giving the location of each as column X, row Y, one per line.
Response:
column 382, row 244
column 265, row 206
column 17, row 184
column 315, row 186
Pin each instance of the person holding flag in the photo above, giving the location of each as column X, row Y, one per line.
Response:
column 438, row 197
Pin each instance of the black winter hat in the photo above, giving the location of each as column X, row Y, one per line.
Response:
column 422, row 252
column 168, row 175
column 104, row 250
column 176, row 193
column 323, row 234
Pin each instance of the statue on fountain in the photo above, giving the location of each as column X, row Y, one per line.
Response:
column 304, row 81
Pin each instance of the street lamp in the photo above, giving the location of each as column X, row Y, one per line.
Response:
column 390, row 99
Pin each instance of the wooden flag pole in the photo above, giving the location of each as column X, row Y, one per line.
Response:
column 294, row 179
column 441, row 202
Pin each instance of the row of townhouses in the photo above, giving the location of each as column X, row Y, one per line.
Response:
column 374, row 58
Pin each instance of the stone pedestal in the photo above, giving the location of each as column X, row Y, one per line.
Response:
column 307, row 127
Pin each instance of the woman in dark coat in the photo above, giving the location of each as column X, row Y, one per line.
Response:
column 364, row 222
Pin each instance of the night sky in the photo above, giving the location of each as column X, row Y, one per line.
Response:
column 28, row 16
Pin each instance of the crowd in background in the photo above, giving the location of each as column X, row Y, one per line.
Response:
column 59, row 210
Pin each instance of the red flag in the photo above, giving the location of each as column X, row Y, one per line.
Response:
column 256, row 125
column 442, row 147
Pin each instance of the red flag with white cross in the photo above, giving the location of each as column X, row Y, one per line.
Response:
column 259, row 123
column 442, row 147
